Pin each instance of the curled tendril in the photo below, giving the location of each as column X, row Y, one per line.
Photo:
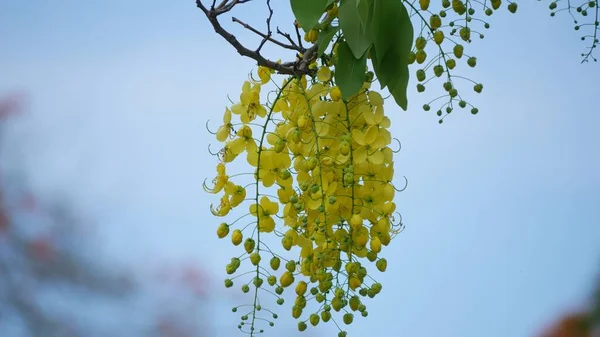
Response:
column 206, row 188
column 208, row 129
column 405, row 185
column 213, row 153
column 399, row 145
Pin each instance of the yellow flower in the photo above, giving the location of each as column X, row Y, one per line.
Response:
column 219, row 181
column 223, row 131
column 324, row 74
column 244, row 142
column 272, row 165
column 250, row 106
column 374, row 115
column 336, row 94
column 264, row 213
column 264, row 73
column 223, row 208
column 284, row 194
column 237, row 194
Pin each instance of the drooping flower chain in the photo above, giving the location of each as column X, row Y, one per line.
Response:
column 332, row 168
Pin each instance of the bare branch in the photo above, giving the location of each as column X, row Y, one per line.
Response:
column 265, row 36
column 299, row 67
column 289, row 38
column 269, row 33
column 222, row 4
column 298, row 34
column 227, row 7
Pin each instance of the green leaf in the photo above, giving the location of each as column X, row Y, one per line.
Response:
column 390, row 73
column 392, row 33
column 349, row 71
column 308, row 12
column 325, row 37
column 354, row 32
column 382, row 76
column 390, row 25
column 365, row 12
column 398, row 84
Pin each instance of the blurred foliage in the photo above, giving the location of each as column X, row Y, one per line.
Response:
column 583, row 323
column 53, row 282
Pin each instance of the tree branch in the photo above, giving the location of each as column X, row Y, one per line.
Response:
column 299, row 67
column 298, row 34
column 266, row 37
column 289, row 38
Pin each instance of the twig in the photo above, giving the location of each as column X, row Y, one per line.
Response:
column 299, row 67
column 269, row 33
column 265, row 36
column 226, row 8
column 289, row 38
column 298, row 34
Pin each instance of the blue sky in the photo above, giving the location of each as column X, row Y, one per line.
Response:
column 502, row 209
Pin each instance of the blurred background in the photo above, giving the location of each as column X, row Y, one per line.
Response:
column 105, row 229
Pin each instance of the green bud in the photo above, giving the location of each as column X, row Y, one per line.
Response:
column 314, row 188
column 450, row 63
column 249, row 245
column 472, row 61
column 275, row 262
column 458, row 50
column 285, row 174
column 291, row 266
column 314, row 319
column 348, row 318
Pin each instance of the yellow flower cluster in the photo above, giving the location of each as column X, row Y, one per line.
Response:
column 331, row 166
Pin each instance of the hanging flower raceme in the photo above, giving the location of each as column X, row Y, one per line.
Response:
column 319, row 185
